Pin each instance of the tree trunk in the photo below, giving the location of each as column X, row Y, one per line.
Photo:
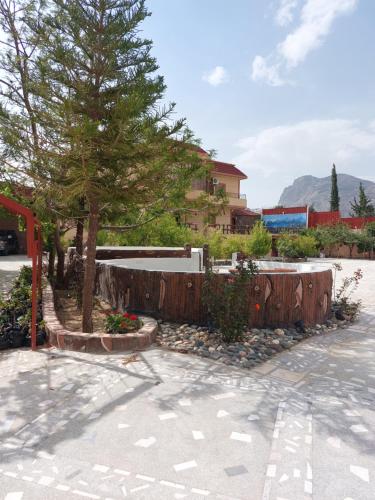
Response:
column 60, row 258
column 79, row 262
column 74, row 272
column 79, row 236
column 90, row 269
column 51, row 263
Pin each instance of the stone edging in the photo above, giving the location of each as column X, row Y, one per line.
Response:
column 62, row 338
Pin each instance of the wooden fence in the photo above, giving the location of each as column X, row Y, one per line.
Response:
column 274, row 299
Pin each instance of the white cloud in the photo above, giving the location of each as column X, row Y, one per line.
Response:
column 308, row 147
column 316, row 19
column 316, row 22
column 216, row 77
column 285, row 12
column 275, row 156
column 262, row 70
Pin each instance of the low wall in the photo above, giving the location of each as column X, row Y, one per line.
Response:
column 344, row 252
column 176, row 296
column 108, row 253
column 181, row 264
column 62, row 338
column 176, row 259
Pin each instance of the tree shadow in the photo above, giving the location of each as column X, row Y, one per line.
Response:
column 50, row 398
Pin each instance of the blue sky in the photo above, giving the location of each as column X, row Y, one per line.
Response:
column 282, row 88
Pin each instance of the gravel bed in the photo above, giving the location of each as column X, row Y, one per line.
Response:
column 255, row 346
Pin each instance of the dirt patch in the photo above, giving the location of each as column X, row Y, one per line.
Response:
column 71, row 318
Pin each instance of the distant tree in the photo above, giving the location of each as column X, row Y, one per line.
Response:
column 335, row 198
column 295, row 246
column 367, row 240
column 260, row 240
column 363, row 207
column 337, row 234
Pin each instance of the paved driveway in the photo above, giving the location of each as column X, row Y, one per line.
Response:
column 9, row 268
column 169, row 426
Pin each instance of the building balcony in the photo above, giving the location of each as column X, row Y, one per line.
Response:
column 234, row 199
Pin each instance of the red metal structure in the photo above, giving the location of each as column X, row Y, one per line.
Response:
column 34, row 251
column 323, row 218
column 357, row 222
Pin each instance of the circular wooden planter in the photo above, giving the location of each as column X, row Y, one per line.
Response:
column 62, row 338
column 274, row 299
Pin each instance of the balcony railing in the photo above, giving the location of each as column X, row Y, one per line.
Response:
column 191, row 225
column 231, row 228
column 238, row 196
column 199, row 185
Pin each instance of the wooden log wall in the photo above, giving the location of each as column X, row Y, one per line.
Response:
column 274, row 299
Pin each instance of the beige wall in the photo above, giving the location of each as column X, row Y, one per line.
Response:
column 232, row 186
column 231, row 182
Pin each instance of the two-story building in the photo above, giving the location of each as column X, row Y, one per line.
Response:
column 231, row 217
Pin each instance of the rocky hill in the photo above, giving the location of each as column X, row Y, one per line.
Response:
column 310, row 190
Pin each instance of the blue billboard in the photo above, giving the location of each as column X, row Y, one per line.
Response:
column 279, row 222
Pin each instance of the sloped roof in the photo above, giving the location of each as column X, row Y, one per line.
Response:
column 221, row 167
column 245, row 211
column 227, row 169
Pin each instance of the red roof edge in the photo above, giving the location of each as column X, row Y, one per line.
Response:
column 228, row 169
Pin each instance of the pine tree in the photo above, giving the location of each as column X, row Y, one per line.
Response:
column 363, row 207
column 335, row 198
column 99, row 93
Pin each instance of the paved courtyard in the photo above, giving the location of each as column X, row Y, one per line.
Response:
column 168, row 426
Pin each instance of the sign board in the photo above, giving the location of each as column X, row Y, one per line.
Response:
column 277, row 223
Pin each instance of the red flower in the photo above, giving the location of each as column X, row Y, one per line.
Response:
column 257, row 307
column 133, row 317
column 125, row 315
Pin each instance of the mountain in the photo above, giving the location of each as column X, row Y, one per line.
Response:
column 310, row 190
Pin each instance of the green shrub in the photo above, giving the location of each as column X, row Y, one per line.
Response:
column 163, row 232
column 234, row 243
column 215, row 240
column 297, row 246
column 226, row 299
column 260, row 241
column 167, row 232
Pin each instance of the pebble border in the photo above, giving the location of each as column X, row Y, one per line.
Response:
column 62, row 338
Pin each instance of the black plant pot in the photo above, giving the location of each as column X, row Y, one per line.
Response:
column 40, row 339
column 4, row 342
column 17, row 338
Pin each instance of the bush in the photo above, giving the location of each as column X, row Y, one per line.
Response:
column 260, row 242
column 164, row 231
column 226, row 299
column 15, row 313
column 294, row 247
column 343, row 305
column 215, row 240
column 234, row 243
